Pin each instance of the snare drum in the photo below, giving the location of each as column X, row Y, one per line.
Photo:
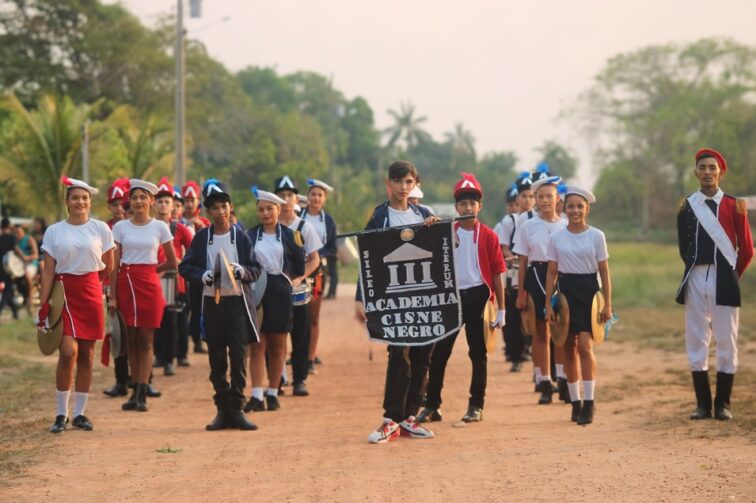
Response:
column 168, row 284
column 302, row 294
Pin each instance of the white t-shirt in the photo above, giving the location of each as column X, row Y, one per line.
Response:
column 466, row 266
column 506, row 228
column 78, row 249
column 577, row 253
column 532, row 238
column 221, row 242
column 140, row 243
column 269, row 253
column 312, row 242
column 407, row 217
column 318, row 224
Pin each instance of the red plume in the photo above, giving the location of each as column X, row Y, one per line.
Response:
column 65, row 181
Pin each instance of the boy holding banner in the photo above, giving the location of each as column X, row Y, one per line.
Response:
column 479, row 266
column 407, row 365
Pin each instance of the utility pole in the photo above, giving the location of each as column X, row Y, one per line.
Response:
column 85, row 152
column 180, row 95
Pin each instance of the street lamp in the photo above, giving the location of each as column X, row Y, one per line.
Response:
column 195, row 11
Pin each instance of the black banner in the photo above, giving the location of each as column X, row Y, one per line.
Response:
column 408, row 285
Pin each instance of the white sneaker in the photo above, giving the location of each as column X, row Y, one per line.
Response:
column 387, row 432
column 413, row 429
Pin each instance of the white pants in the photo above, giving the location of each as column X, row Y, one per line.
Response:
column 703, row 317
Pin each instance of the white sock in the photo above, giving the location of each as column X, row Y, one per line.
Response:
column 62, row 399
column 284, row 375
column 560, row 370
column 80, row 403
column 538, row 374
column 574, row 388
column 589, row 388
column 258, row 393
column 547, row 377
column 272, row 392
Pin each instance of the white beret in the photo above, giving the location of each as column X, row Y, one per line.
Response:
column 317, row 183
column 74, row 183
column 549, row 180
column 585, row 194
column 136, row 183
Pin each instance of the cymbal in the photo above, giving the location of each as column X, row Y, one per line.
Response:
column 596, row 326
column 49, row 340
column 230, row 271
column 561, row 327
column 489, row 333
column 528, row 316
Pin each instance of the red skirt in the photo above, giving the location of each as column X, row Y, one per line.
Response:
column 140, row 296
column 83, row 311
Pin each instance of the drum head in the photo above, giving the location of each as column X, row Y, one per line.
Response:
column 561, row 327
column 49, row 341
column 596, row 326
column 489, row 333
column 528, row 317
column 258, row 287
column 13, row 265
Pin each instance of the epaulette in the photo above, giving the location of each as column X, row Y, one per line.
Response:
column 682, row 204
column 741, row 206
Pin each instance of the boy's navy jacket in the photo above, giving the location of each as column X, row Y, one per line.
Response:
column 329, row 247
column 294, row 255
column 380, row 220
column 194, row 265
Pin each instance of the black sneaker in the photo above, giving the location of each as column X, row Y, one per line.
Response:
column 272, row 402
column 82, row 423
column 300, row 389
column 152, row 392
column 59, row 424
column 516, row 367
column 158, row 363
column 199, row 349
column 168, row 370
column 183, row 362
column 311, row 368
column 237, row 419
column 118, row 389
column 473, row 415
column 317, row 361
column 254, row 405
column 428, row 415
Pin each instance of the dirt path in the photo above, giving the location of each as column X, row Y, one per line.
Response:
column 315, row 448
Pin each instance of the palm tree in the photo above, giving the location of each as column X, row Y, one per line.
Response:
column 148, row 142
column 406, row 127
column 41, row 146
column 462, row 143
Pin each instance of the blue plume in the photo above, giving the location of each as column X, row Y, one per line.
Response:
column 254, row 190
column 543, row 167
column 523, row 175
column 562, row 188
column 310, row 182
column 209, row 181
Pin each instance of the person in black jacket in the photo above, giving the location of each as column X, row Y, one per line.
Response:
column 228, row 321
column 282, row 259
column 407, row 366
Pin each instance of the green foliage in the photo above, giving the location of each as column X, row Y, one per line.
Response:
column 561, row 161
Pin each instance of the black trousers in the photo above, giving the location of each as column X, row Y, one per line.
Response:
column 8, row 293
column 182, row 327
column 473, row 302
column 300, row 342
column 228, row 336
column 514, row 339
column 405, row 377
column 195, row 303
column 166, row 337
column 332, row 264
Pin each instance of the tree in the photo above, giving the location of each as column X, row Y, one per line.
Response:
column 462, row 145
column 406, row 128
column 41, row 146
column 561, row 161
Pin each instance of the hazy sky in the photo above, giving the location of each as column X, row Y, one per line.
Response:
column 503, row 68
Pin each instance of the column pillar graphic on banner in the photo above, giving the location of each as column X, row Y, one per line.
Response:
column 403, row 264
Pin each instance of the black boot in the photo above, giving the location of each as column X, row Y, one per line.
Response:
column 577, row 407
column 219, row 423
column 703, row 395
column 564, row 391
column 272, row 402
column 132, row 401
column 141, row 398
column 429, row 415
column 546, row 391
column 236, row 419
column 586, row 414
column 722, row 400
column 118, row 389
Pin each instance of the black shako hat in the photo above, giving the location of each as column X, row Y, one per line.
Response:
column 285, row 183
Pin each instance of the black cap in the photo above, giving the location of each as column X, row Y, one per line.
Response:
column 285, row 183
column 213, row 191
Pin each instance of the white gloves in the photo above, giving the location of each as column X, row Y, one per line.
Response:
column 500, row 322
column 208, row 278
column 238, row 270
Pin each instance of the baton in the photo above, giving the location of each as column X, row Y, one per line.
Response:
column 409, row 226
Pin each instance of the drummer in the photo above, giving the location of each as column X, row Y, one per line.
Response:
column 325, row 226
column 281, row 258
column 138, row 294
column 78, row 252
column 229, row 321
column 576, row 254
column 117, row 202
column 167, row 337
column 306, row 236
column 531, row 243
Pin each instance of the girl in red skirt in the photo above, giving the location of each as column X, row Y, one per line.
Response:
column 138, row 294
column 79, row 253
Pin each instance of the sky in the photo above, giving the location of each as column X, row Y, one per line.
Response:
column 505, row 69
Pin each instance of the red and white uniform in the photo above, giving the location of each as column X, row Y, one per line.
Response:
column 488, row 260
column 140, row 297
column 78, row 250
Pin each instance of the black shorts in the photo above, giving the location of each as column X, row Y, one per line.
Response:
column 535, row 284
column 276, row 305
column 579, row 290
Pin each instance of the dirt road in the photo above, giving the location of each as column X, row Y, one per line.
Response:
column 640, row 447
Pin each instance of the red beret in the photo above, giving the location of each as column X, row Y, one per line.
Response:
column 716, row 155
column 191, row 190
column 117, row 191
column 165, row 188
column 468, row 184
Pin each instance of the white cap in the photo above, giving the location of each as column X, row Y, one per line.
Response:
column 549, row 180
column 317, row 183
column 585, row 194
column 262, row 195
column 416, row 193
column 74, row 183
column 136, row 183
